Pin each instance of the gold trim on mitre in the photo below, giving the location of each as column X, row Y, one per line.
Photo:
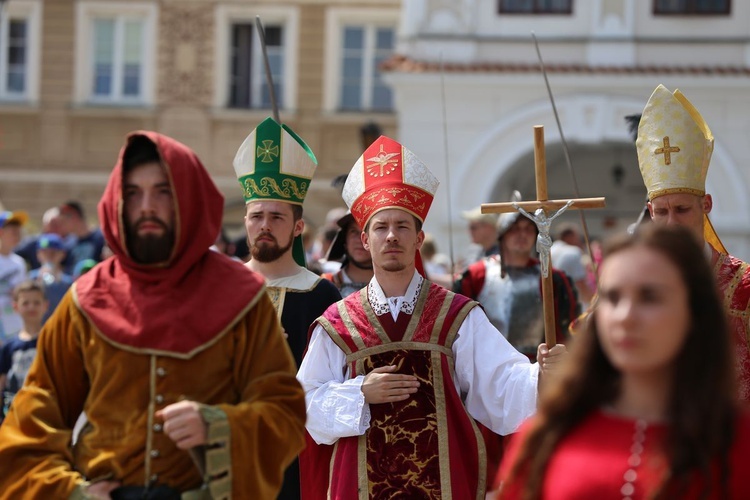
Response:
column 674, row 145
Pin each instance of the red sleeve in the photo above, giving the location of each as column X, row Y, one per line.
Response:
column 472, row 281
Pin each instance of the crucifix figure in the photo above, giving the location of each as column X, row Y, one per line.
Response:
column 543, row 239
column 543, row 222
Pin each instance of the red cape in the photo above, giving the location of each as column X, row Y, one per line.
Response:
column 180, row 307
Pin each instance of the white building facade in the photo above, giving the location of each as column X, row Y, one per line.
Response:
column 603, row 58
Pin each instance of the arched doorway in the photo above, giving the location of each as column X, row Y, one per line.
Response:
column 501, row 159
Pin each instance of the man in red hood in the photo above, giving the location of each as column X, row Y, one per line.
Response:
column 172, row 354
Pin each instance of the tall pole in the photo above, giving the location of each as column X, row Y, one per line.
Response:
column 269, row 78
column 566, row 153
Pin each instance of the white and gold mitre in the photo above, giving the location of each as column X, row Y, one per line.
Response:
column 674, row 145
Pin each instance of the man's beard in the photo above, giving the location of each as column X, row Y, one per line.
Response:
column 150, row 248
column 269, row 251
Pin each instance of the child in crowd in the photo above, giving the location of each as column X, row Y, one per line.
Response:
column 51, row 254
column 12, row 271
column 30, row 302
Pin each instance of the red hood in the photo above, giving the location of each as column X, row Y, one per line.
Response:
column 163, row 308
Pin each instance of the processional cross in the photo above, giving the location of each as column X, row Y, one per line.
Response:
column 543, row 222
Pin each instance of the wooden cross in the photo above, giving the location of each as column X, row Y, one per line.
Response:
column 546, row 205
column 667, row 151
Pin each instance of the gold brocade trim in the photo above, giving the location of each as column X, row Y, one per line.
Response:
column 268, row 186
column 331, row 331
column 438, row 385
column 662, row 192
column 159, row 352
column 482, row 452
column 447, row 301
column 278, row 297
column 395, row 346
column 363, row 485
column 330, row 468
column 457, row 322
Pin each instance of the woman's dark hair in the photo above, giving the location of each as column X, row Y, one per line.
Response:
column 702, row 403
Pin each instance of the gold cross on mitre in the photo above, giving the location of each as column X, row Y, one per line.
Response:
column 667, row 151
column 540, row 209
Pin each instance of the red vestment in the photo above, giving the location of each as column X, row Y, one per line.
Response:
column 733, row 280
column 427, row 446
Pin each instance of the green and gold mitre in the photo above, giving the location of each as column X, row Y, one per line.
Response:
column 274, row 164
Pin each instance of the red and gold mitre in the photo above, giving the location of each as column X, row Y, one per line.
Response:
column 388, row 175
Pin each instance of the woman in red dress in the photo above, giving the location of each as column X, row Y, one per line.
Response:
column 645, row 406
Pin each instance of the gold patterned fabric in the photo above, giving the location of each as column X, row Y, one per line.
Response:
column 427, row 446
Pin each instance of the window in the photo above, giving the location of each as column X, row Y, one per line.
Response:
column 364, row 48
column 699, row 7
column 17, row 56
column 19, row 26
column 239, row 70
column 117, row 48
column 536, row 6
column 248, row 85
column 115, row 65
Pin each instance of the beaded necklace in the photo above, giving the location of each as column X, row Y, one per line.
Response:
column 634, row 460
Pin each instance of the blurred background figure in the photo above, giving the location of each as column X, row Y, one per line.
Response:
column 51, row 253
column 645, row 406
column 483, row 234
column 51, row 223
column 508, row 287
column 84, row 242
column 356, row 262
column 308, row 241
column 325, row 236
column 225, row 245
column 12, row 271
column 592, row 270
column 567, row 256
column 437, row 266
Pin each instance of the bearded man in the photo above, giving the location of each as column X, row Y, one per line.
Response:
column 171, row 351
column 275, row 167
